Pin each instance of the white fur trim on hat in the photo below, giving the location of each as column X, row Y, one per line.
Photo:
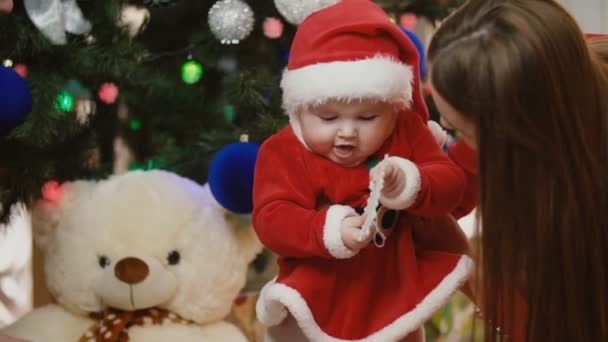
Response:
column 294, row 122
column 332, row 236
column 383, row 78
column 408, row 196
column 277, row 299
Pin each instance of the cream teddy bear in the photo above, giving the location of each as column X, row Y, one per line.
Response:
column 143, row 256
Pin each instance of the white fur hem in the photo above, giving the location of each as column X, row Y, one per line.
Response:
column 331, row 231
column 412, row 185
column 276, row 300
column 380, row 77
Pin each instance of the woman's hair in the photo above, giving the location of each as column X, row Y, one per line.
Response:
column 521, row 71
column 599, row 46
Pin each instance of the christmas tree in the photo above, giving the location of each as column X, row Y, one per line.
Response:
column 115, row 84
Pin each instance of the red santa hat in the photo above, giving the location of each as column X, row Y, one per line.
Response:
column 349, row 51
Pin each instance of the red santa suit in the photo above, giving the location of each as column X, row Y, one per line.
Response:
column 465, row 157
column 352, row 50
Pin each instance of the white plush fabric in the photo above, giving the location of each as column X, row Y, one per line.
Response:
column 332, row 236
column 408, row 196
column 143, row 216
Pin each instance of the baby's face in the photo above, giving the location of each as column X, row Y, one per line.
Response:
column 347, row 133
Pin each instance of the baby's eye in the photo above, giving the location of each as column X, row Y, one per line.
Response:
column 367, row 117
column 329, row 118
column 173, row 258
column 103, row 261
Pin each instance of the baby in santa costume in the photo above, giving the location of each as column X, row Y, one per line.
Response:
column 352, row 91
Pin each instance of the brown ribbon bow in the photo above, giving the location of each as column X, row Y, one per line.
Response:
column 113, row 325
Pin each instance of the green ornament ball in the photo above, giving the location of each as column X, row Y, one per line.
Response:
column 192, row 71
column 229, row 113
column 64, row 101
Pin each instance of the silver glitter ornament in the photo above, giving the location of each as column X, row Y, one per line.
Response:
column 56, row 17
column 133, row 19
column 231, row 21
column 295, row 11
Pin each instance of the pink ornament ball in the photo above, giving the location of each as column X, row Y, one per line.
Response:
column 408, row 21
column 108, row 92
column 273, row 28
column 6, row 6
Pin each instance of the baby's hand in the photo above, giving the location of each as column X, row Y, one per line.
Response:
column 351, row 232
column 394, row 179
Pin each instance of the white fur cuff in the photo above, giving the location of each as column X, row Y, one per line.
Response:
column 331, row 231
column 440, row 135
column 412, row 185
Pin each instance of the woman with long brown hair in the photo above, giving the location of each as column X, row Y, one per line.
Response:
column 598, row 43
column 518, row 80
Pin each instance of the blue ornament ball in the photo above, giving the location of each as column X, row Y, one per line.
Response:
column 419, row 46
column 231, row 176
column 15, row 99
column 285, row 56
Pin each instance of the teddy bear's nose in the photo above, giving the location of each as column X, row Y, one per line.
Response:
column 131, row 270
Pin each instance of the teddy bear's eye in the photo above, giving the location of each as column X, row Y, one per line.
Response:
column 173, row 258
column 103, row 261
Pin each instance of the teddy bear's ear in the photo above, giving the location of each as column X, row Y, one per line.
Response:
column 250, row 244
column 241, row 225
column 57, row 199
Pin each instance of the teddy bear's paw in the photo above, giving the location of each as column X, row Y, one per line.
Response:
column 215, row 332
column 50, row 323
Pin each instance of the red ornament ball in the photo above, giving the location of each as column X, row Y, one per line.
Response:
column 6, row 6
column 52, row 192
column 108, row 92
column 21, row 69
column 427, row 88
column 408, row 21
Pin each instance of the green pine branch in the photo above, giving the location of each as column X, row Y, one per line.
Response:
column 171, row 125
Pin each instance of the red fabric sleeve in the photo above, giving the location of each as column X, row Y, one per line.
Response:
column 284, row 198
column 466, row 158
column 442, row 183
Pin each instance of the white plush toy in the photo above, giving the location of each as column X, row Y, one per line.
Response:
column 143, row 256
